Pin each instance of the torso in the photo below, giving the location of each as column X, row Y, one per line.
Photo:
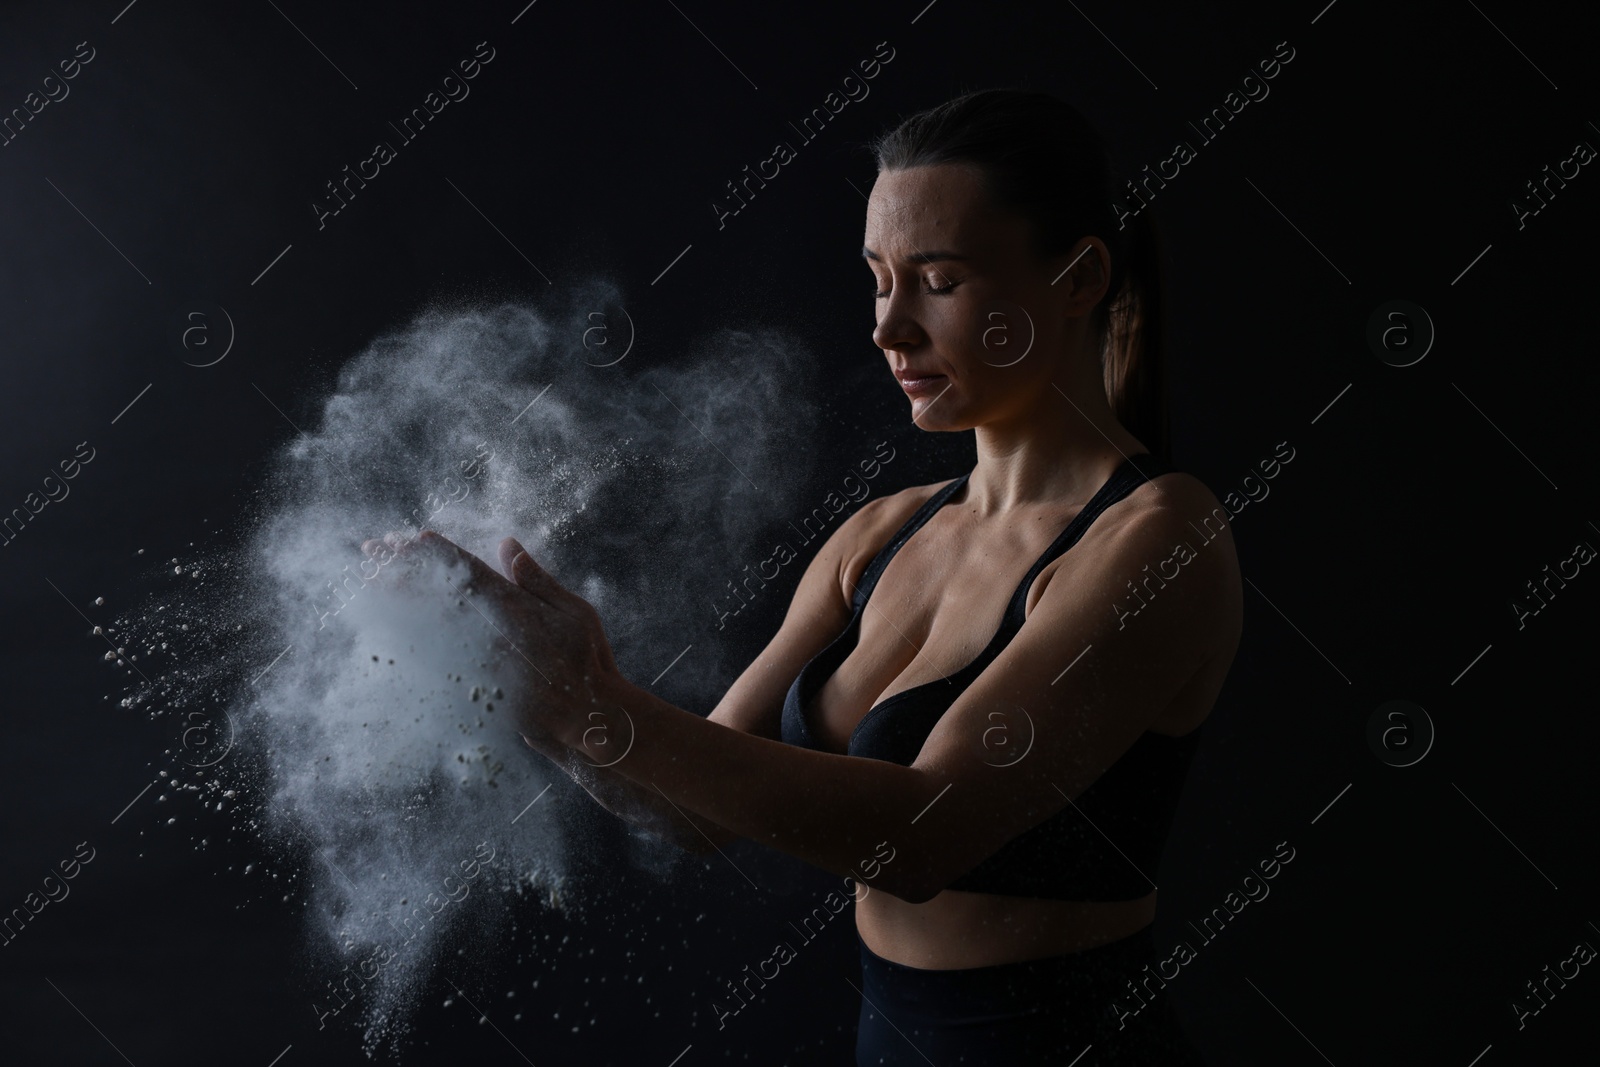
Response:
column 945, row 591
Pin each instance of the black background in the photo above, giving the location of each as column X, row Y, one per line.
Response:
column 1381, row 165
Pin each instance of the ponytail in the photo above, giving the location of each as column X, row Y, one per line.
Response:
column 1133, row 332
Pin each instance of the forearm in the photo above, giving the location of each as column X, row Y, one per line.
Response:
column 634, row 803
column 649, row 810
column 826, row 809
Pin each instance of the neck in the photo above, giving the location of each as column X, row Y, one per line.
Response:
column 1060, row 444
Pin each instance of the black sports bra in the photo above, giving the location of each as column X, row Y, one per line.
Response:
column 1100, row 847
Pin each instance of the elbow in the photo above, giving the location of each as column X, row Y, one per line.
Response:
column 913, row 887
column 903, row 873
column 918, row 894
column 918, row 885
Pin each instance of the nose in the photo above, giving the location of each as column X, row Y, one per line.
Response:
column 897, row 328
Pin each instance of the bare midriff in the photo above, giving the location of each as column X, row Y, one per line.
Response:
column 961, row 929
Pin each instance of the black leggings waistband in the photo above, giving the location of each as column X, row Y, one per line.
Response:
column 1030, row 1011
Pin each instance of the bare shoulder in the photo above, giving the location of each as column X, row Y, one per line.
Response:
column 1168, row 525
column 1175, row 491
column 1175, row 506
column 819, row 609
column 871, row 527
column 881, row 516
column 1175, row 523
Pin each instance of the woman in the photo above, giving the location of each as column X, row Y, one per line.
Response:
column 1003, row 759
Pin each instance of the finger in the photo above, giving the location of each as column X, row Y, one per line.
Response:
column 508, row 555
column 481, row 576
column 382, row 551
column 386, row 548
column 520, row 568
column 391, row 541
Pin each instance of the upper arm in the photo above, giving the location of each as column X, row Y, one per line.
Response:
column 1125, row 668
column 818, row 612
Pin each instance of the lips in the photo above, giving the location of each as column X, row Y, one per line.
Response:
column 919, row 383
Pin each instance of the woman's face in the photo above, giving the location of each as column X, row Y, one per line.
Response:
column 968, row 318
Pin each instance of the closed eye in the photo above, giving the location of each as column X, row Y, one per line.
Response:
column 929, row 289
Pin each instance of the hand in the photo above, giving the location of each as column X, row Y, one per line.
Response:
column 554, row 637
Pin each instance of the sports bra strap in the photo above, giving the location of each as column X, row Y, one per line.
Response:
column 1132, row 473
column 869, row 577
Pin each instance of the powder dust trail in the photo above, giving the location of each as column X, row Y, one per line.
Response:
column 372, row 733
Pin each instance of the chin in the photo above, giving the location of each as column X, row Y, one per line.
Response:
column 939, row 422
column 936, row 410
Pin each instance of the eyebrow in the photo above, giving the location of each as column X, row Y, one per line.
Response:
column 916, row 257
